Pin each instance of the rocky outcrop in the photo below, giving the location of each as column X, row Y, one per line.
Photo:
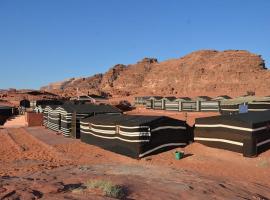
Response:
column 204, row 72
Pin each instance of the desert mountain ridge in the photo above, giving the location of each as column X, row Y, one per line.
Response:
column 203, row 72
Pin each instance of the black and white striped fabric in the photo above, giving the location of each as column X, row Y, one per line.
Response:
column 54, row 120
column 209, row 106
column 258, row 106
column 47, row 110
column 247, row 133
column 189, row 106
column 72, row 114
column 229, row 109
column 172, row 105
column 134, row 136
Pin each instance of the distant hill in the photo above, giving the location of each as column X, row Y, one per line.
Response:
column 204, row 72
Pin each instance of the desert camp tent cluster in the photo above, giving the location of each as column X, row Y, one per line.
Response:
column 223, row 104
column 134, row 136
column 247, row 133
column 200, row 104
column 66, row 118
column 138, row 136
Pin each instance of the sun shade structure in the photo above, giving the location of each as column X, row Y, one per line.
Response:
column 66, row 118
column 134, row 136
column 247, row 133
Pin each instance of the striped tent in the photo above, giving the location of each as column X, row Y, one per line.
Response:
column 54, row 118
column 258, row 106
column 46, row 112
column 209, row 106
column 247, row 133
column 134, row 136
column 189, row 106
column 171, row 103
column 71, row 114
column 155, row 102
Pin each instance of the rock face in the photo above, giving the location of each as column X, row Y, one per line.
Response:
column 205, row 72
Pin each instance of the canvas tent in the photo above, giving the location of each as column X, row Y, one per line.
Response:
column 69, row 116
column 134, row 136
column 47, row 121
column 247, row 133
column 209, row 106
column 154, row 102
column 5, row 113
column 141, row 100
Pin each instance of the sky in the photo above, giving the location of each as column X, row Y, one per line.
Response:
column 43, row 41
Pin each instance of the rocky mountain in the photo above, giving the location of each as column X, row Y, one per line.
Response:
column 204, row 72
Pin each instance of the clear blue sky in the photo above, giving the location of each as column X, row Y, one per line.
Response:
column 42, row 41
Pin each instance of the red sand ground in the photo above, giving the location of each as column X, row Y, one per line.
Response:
column 37, row 163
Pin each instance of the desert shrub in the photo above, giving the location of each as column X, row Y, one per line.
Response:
column 108, row 188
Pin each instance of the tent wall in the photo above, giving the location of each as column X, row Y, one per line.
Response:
column 149, row 103
column 235, row 133
column 212, row 106
column 137, row 140
column 54, row 120
column 172, row 105
column 229, row 109
column 189, row 106
column 158, row 104
column 258, row 106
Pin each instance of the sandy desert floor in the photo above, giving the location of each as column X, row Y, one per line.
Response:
column 37, row 163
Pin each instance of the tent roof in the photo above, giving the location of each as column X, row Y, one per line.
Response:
column 89, row 108
column 172, row 98
column 249, row 118
column 5, row 107
column 128, row 120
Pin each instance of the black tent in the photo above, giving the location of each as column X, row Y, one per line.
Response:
column 247, row 133
column 70, row 115
column 5, row 113
column 134, row 136
column 258, row 106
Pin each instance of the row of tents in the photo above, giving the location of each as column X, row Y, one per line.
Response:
column 138, row 136
column 105, row 126
column 223, row 104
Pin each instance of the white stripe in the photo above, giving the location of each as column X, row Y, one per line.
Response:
column 133, row 127
column 263, row 142
column 105, row 126
column 159, row 147
column 66, row 121
column 168, row 127
column 103, row 131
column 227, row 109
column 255, row 109
column 218, row 140
column 134, row 134
column 231, row 127
column 112, row 138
